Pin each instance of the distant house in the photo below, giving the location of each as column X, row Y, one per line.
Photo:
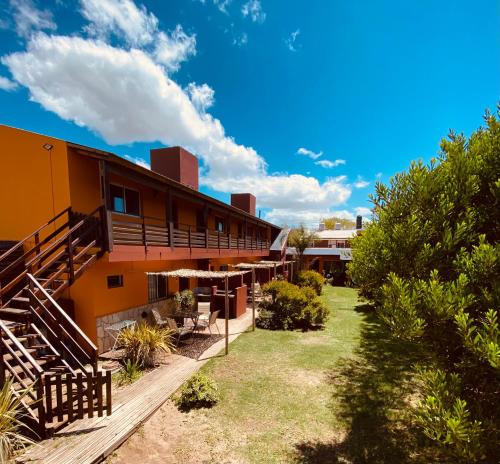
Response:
column 331, row 250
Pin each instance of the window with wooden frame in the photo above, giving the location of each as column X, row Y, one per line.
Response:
column 125, row 200
column 157, row 288
column 115, row 281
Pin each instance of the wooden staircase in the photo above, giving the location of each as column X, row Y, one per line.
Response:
column 43, row 351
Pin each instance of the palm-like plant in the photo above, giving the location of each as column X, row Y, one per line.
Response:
column 10, row 422
column 301, row 238
column 143, row 342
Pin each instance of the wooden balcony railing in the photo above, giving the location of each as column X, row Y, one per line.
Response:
column 149, row 231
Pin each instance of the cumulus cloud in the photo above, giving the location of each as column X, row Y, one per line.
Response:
column 311, row 154
column 7, row 84
column 253, row 9
column 330, row 164
column 126, row 95
column 222, row 5
column 172, row 49
column 291, row 40
column 28, row 18
column 121, row 17
column 138, row 28
column 202, row 96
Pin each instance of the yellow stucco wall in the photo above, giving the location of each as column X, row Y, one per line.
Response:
column 93, row 298
column 31, row 195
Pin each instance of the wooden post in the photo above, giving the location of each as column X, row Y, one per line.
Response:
column 274, row 271
column 253, row 299
column 226, row 307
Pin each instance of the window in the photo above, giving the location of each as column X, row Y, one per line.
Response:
column 157, row 288
column 124, row 200
column 224, row 267
column 115, row 281
column 219, row 224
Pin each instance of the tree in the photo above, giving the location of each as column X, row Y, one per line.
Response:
column 430, row 261
column 301, row 238
column 345, row 223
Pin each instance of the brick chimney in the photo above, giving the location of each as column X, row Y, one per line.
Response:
column 177, row 164
column 244, row 201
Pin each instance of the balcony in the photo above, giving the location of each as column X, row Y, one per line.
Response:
column 154, row 232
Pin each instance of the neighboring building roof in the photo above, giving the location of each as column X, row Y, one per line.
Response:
column 331, row 234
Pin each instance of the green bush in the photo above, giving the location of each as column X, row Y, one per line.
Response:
column 445, row 417
column 430, row 261
column 290, row 307
column 200, row 391
column 129, row 373
column 143, row 342
column 11, row 412
column 184, row 300
column 311, row 279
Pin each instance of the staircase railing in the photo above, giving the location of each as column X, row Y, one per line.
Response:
column 58, row 244
column 61, row 331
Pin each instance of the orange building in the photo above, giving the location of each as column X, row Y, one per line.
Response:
column 89, row 225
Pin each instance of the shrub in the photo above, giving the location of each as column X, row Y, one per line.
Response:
column 10, row 422
column 445, row 417
column 200, row 391
column 430, row 261
column 311, row 279
column 143, row 342
column 290, row 307
column 265, row 319
column 129, row 373
column 184, row 300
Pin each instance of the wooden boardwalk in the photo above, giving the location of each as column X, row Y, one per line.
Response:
column 90, row 441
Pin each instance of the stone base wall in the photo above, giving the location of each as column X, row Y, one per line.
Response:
column 139, row 314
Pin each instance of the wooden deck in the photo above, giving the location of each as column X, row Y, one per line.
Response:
column 90, row 441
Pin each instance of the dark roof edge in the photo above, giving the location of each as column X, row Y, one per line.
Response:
column 112, row 157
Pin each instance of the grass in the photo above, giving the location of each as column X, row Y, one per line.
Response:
column 337, row 395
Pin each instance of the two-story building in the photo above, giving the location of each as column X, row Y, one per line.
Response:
column 89, row 225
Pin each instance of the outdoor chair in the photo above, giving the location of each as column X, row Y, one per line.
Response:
column 179, row 331
column 204, row 307
column 159, row 321
column 208, row 323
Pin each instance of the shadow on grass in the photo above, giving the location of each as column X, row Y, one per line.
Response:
column 370, row 401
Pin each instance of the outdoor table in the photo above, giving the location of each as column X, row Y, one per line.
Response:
column 193, row 315
column 115, row 329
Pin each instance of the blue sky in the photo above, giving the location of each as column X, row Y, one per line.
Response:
column 306, row 104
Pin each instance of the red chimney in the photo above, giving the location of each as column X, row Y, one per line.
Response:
column 177, row 164
column 244, row 201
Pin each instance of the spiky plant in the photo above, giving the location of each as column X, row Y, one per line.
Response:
column 143, row 342
column 11, row 439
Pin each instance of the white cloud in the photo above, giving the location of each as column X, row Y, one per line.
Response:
column 125, row 96
column 138, row 27
column 361, row 183
column 139, row 161
column 120, row 17
column 330, row 164
column 291, row 39
column 311, row 154
column 253, row 9
column 7, row 84
column 172, row 49
column 202, row 96
column 363, row 211
column 241, row 39
column 378, row 175
column 29, row 18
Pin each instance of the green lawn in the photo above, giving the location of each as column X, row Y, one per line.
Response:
column 336, row 395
